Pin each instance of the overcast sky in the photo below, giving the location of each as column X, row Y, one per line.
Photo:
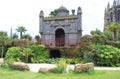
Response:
column 15, row 13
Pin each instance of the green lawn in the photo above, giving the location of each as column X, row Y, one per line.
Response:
column 14, row 74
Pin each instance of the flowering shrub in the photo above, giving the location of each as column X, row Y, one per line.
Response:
column 39, row 53
column 104, row 55
column 13, row 54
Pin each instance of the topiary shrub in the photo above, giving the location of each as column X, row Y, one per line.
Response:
column 39, row 53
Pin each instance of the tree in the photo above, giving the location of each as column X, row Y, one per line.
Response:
column 114, row 27
column 37, row 38
column 98, row 37
column 27, row 36
column 96, row 32
column 21, row 29
column 4, row 40
column 53, row 13
column 15, row 36
column 108, row 35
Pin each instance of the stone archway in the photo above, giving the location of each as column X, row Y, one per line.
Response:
column 59, row 37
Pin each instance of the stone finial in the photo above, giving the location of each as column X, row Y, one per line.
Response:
column 11, row 32
column 73, row 11
column 108, row 6
column 79, row 11
column 114, row 3
column 41, row 14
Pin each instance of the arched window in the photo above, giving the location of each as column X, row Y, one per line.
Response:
column 111, row 16
column 118, row 15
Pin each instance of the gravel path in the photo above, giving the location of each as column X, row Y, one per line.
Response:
column 107, row 68
column 36, row 67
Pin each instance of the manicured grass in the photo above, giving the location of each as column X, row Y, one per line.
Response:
column 14, row 74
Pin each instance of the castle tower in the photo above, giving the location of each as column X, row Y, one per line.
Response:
column 112, row 14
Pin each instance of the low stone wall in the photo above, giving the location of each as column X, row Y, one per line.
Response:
column 84, row 67
column 20, row 66
column 47, row 69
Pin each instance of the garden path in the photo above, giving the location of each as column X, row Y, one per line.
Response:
column 36, row 67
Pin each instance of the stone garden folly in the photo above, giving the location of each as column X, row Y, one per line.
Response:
column 61, row 30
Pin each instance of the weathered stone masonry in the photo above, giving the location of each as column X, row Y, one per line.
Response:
column 62, row 29
column 112, row 13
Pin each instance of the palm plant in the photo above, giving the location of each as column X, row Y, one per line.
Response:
column 27, row 52
column 114, row 27
column 4, row 40
column 21, row 29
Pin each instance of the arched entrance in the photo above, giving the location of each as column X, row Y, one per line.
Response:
column 59, row 37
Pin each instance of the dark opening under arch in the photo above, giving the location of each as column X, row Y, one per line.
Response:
column 54, row 53
column 59, row 37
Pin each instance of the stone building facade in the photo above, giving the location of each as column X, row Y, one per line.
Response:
column 112, row 13
column 61, row 30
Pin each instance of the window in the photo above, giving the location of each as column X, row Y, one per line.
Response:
column 118, row 15
column 111, row 17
